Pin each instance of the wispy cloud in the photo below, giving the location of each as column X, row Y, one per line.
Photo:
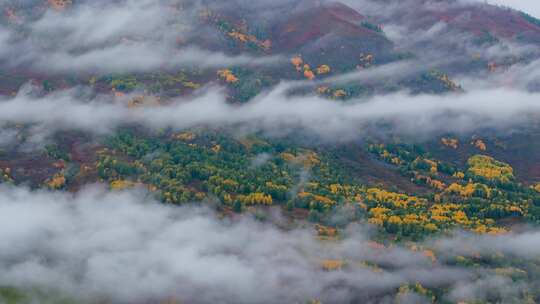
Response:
column 113, row 37
column 279, row 114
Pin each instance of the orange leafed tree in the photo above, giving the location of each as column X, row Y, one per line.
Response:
column 297, row 61
column 227, row 75
column 60, row 4
column 309, row 74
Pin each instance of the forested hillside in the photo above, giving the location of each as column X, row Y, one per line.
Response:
column 287, row 151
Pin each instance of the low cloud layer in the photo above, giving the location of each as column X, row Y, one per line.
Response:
column 522, row 76
column 525, row 245
column 124, row 247
column 278, row 114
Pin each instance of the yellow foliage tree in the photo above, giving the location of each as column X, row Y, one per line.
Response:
column 489, row 168
column 184, row 136
column 307, row 158
column 483, row 229
column 395, row 220
column 323, row 69
column 339, row 93
column 57, row 181
column 396, row 199
column 256, row 199
column 459, row 175
column 467, row 190
column 332, row 265
column 122, row 184
column 326, row 231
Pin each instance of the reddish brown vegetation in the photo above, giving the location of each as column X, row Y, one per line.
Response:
column 312, row 24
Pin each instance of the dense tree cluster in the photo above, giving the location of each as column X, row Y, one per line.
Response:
column 194, row 166
column 485, row 190
column 487, row 167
